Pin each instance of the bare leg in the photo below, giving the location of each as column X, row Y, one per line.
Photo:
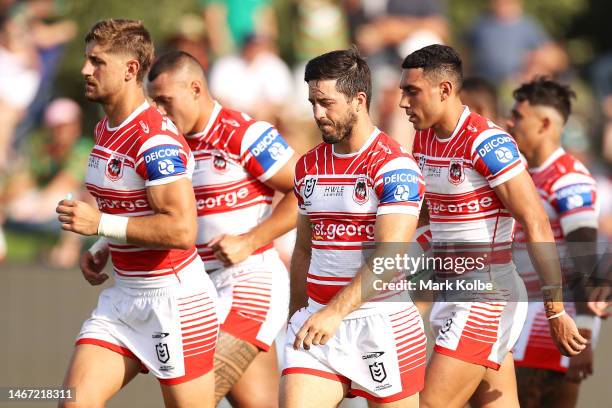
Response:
column 232, row 358
column 96, row 374
column 258, row 386
column 498, row 388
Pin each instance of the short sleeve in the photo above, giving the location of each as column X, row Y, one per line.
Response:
column 574, row 198
column 298, row 183
column 162, row 160
column 264, row 151
column 400, row 187
column 496, row 157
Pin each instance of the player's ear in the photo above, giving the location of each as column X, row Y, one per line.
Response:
column 196, row 89
column 361, row 101
column 133, row 66
column 446, row 89
column 546, row 123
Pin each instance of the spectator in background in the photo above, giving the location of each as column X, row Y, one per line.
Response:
column 190, row 37
column 480, row 96
column 257, row 81
column 19, row 80
column 48, row 33
column 386, row 31
column 398, row 26
column 229, row 22
column 56, row 168
column 507, row 45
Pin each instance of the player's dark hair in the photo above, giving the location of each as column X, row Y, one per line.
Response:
column 440, row 61
column 125, row 36
column 481, row 90
column 347, row 67
column 544, row 91
column 171, row 61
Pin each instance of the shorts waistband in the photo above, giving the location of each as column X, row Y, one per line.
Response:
column 367, row 309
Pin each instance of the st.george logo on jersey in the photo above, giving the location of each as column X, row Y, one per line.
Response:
column 455, row 172
column 360, row 192
column 114, row 167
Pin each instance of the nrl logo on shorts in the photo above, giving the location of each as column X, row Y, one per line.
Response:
column 360, row 192
column 219, row 163
column 163, row 354
column 377, row 371
column 114, row 167
column 455, row 172
column 309, row 185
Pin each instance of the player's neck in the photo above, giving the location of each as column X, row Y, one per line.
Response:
column 207, row 108
column 360, row 134
column 447, row 124
column 542, row 153
column 123, row 105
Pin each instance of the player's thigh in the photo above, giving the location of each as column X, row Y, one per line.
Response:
column 310, row 391
column 408, row 402
column 498, row 388
column 565, row 395
column 96, row 374
column 258, row 386
column 449, row 382
column 196, row 393
column 232, row 358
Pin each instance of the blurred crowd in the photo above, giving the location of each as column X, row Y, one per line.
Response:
column 43, row 147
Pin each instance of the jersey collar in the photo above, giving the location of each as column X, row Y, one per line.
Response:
column 209, row 124
column 367, row 144
column 464, row 115
column 144, row 106
column 550, row 160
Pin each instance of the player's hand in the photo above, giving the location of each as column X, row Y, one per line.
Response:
column 92, row 266
column 565, row 335
column 581, row 366
column 318, row 329
column 598, row 301
column 78, row 216
column 232, row 249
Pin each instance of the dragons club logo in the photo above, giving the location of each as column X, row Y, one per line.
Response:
column 114, row 167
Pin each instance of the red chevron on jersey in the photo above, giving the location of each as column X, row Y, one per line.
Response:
column 145, row 150
column 235, row 155
column 342, row 194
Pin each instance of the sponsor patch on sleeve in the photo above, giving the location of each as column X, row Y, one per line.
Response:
column 268, row 149
column 574, row 196
column 400, row 185
column 163, row 161
column 498, row 152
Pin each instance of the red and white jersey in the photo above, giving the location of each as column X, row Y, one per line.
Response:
column 145, row 150
column 460, row 173
column 342, row 194
column 235, row 155
column 569, row 196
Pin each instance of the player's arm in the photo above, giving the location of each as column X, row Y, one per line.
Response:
column 171, row 226
column 300, row 263
column 519, row 196
column 234, row 249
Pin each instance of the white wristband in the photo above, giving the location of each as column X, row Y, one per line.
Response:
column 113, row 226
column 561, row 313
column 98, row 246
column 585, row 322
